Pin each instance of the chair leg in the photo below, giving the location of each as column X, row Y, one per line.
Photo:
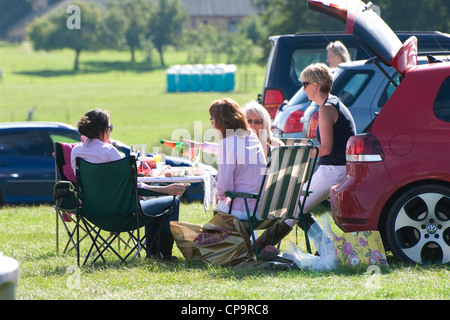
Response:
column 57, row 232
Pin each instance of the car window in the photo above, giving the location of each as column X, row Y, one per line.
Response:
column 388, row 91
column 301, row 58
column 441, row 105
column 30, row 143
column 349, row 85
column 64, row 138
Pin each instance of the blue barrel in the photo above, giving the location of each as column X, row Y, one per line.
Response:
column 230, row 71
column 194, row 83
column 206, row 79
column 183, row 80
column 219, row 79
column 172, row 79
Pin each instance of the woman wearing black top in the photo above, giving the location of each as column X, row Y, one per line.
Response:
column 336, row 126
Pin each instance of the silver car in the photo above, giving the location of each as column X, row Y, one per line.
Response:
column 360, row 85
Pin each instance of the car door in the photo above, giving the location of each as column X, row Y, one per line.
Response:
column 25, row 167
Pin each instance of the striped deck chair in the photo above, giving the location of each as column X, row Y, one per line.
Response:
column 279, row 197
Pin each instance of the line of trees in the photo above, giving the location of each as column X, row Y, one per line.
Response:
column 143, row 25
column 124, row 24
column 153, row 25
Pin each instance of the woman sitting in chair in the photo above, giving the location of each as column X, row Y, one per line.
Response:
column 97, row 148
column 336, row 126
column 240, row 160
column 259, row 120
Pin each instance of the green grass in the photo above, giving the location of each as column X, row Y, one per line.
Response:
column 142, row 112
column 28, row 235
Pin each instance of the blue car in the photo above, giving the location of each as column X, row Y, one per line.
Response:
column 27, row 166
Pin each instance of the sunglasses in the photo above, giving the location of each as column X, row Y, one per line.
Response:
column 250, row 121
column 110, row 127
column 305, row 84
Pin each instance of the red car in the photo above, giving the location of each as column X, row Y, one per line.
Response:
column 398, row 172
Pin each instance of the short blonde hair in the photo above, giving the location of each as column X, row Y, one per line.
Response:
column 339, row 49
column 318, row 73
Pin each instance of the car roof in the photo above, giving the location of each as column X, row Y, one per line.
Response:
column 35, row 125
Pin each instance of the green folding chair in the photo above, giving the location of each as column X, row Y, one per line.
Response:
column 279, row 197
column 64, row 194
column 108, row 199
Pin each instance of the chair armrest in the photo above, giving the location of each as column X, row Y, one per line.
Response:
column 150, row 193
column 62, row 188
column 247, row 195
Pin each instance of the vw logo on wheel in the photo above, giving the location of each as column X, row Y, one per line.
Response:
column 431, row 229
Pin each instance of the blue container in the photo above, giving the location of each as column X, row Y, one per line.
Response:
column 194, row 81
column 206, row 80
column 230, row 71
column 219, row 79
column 172, row 80
column 183, row 81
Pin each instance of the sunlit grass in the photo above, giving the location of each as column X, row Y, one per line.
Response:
column 28, row 235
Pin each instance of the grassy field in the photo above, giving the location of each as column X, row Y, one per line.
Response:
column 142, row 112
column 141, row 109
column 28, row 235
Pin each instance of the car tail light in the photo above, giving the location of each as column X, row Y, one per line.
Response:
column 364, row 148
column 273, row 98
column 293, row 123
column 313, row 124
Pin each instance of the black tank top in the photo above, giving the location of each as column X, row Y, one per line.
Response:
column 343, row 129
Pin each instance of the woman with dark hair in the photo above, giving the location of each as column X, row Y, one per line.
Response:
column 240, row 157
column 95, row 125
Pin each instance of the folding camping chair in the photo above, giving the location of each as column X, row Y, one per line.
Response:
column 279, row 197
column 64, row 193
column 108, row 198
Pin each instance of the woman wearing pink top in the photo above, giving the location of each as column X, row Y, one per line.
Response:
column 240, row 157
column 97, row 148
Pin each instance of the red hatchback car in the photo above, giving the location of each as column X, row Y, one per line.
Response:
column 398, row 172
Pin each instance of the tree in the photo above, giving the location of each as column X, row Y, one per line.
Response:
column 126, row 22
column 166, row 24
column 52, row 33
column 198, row 42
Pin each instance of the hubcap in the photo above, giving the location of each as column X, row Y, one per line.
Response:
column 422, row 228
column 431, row 229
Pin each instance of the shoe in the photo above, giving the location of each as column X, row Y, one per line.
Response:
column 273, row 235
column 270, row 253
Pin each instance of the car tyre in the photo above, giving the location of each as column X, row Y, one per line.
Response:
column 418, row 225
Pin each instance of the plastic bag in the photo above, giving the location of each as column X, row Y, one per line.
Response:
column 306, row 261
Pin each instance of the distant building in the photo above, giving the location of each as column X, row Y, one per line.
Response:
column 227, row 13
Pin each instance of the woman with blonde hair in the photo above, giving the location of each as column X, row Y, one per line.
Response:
column 336, row 126
column 337, row 53
column 259, row 120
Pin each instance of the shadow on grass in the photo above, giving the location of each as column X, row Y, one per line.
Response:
column 94, row 67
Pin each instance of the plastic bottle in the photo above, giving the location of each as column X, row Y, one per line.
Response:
column 180, row 147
